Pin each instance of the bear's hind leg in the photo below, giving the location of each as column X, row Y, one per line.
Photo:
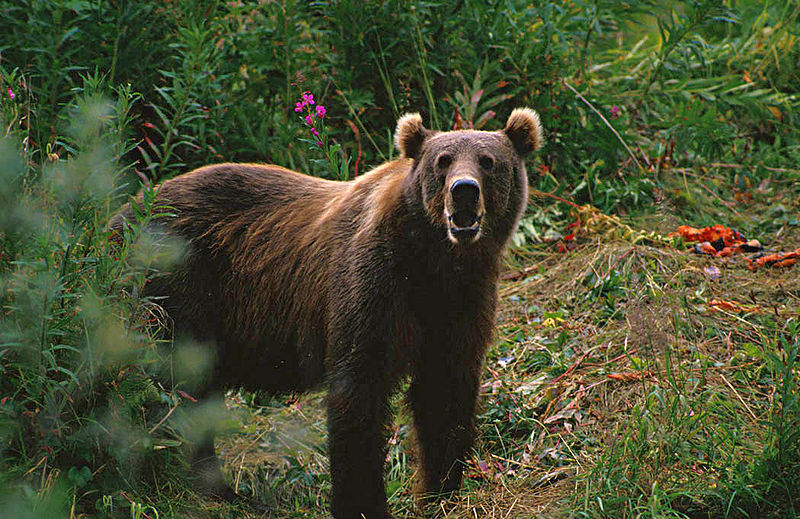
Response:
column 206, row 470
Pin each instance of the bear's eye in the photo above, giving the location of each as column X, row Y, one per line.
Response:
column 486, row 162
column 444, row 161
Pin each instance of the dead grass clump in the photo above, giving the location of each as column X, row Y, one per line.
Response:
column 518, row 499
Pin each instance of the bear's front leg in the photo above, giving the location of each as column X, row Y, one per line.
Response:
column 442, row 395
column 443, row 405
column 357, row 416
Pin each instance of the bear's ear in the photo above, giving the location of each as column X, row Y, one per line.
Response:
column 409, row 135
column 524, row 130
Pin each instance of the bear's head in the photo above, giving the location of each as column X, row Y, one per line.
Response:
column 471, row 184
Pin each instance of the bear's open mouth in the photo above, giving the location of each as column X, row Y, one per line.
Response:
column 464, row 219
column 464, row 223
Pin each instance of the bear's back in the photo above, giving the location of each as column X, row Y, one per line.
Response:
column 218, row 192
column 262, row 246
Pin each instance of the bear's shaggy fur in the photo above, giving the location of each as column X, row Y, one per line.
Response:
column 299, row 281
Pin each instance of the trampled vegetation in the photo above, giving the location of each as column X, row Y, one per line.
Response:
column 631, row 377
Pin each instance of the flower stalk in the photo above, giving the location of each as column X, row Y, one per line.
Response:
column 313, row 117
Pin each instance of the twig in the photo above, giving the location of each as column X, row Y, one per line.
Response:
column 615, row 263
column 513, row 276
column 595, row 110
column 36, row 466
column 644, row 156
column 132, row 502
column 511, row 508
column 618, row 357
column 544, row 194
column 743, row 166
column 357, row 134
column 571, row 368
column 156, row 426
column 722, row 165
column 752, row 414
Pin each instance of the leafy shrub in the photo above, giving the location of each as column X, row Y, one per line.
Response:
column 81, row 404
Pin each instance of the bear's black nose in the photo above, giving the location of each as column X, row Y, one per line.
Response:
column 464, row 219
column 465, row 193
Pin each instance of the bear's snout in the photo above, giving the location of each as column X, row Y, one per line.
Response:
column 465, row 192
column 464, row 210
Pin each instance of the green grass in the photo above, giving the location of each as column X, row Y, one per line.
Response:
column 613, row 389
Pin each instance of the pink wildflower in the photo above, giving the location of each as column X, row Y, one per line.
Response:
column 304, row 105
column 615, row 111
column 11, row 94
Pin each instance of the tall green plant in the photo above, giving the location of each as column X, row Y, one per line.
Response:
column 77, row 354
column 680, row 37
column 186, row 103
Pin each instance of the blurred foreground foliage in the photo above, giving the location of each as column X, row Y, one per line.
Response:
column 100, row 98
column 81, row 406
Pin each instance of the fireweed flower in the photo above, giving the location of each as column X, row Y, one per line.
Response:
column 615, row 111
column 312, row 116
column 11, row 94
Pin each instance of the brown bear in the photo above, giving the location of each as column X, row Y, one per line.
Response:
column 300, row 281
